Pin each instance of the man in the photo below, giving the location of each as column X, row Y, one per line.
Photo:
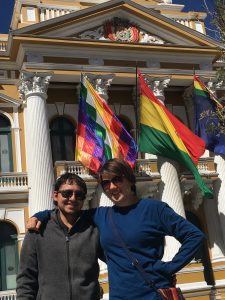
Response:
column 59, row 261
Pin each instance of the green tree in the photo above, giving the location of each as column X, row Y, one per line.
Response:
column 217, row 14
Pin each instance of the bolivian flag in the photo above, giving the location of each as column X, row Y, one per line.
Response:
column 161, row 133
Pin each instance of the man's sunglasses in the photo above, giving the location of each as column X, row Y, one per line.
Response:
column 116, row 180
column 79, row 195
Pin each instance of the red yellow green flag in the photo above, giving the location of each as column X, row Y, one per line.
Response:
column 161, row 133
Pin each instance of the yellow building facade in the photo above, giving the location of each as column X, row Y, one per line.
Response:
column 41, row 60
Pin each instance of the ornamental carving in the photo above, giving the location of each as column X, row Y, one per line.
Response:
column 33, row 83
column 122, row 30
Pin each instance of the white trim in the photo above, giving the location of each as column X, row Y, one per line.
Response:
column 17, row 140
column 191, row 270
column 31, row 17
column 10, row 102
column 218, row 259
column 20, row 237
column 194, row 286
column 220, row 283
column 105, row 296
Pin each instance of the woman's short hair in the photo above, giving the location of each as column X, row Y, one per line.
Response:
column 119, row 167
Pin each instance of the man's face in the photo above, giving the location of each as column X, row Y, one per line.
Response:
column 69, row 198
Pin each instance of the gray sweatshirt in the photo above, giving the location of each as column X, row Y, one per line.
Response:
column 57, row 264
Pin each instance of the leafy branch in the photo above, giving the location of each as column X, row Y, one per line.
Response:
column 215, row 120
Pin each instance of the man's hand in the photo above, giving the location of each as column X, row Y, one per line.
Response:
column 33, row 224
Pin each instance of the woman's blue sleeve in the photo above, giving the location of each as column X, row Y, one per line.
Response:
column 43, row 215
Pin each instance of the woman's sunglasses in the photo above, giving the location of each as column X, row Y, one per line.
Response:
column 79, row 195
column 116, row 180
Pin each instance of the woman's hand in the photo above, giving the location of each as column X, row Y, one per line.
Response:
column 174, row 280
column 33, row 224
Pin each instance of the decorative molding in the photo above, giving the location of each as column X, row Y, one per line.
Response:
column 100, row 83
column 121, row 30
column 33, row 83
column 9, row 102
column 157, row 85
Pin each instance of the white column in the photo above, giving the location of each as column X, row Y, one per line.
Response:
column 100, row 83
column 171, row 194
column 220, row 190
column 157, row 85
column 32, row 88
column 170, row 189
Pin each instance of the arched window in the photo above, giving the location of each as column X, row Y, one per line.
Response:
column 62, row 134
column 8, row 256
column 6, row 161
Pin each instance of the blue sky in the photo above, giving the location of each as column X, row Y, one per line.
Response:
column 6, row 7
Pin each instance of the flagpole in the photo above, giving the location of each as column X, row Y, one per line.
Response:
column 136, row 104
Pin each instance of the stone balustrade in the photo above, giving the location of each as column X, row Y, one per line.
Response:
column 51, row 12
column 8, row 295
column 143, row 167
column 13, row 182
column 3, row 45
column 206, row 166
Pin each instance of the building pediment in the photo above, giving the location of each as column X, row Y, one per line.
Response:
column 119, row 29
column 119, row 21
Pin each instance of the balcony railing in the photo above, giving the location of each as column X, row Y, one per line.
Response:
column 143, row 167
column 206, row 166
column 47, row 13
column 3, row 45
column 13, row 182
column 8, row 295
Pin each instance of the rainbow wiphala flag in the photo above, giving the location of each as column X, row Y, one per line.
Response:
column 100, row 134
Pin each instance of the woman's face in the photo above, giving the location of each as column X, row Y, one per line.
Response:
column 117, row 188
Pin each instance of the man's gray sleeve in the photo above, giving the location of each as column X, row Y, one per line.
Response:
column 27, row 278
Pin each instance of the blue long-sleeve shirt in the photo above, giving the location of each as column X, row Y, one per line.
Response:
column 143, row 227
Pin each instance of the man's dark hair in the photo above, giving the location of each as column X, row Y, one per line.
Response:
column 70, row 178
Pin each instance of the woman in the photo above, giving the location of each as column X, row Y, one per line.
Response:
column 142, row 224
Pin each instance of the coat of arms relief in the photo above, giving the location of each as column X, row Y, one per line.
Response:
column 121, row 30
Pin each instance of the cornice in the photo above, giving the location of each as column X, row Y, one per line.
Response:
column 9, row 100
column 124, row 75
column 137, row 46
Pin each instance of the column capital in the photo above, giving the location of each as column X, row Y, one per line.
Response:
column 158, row 84
column 100, row 83
column 33, row 83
